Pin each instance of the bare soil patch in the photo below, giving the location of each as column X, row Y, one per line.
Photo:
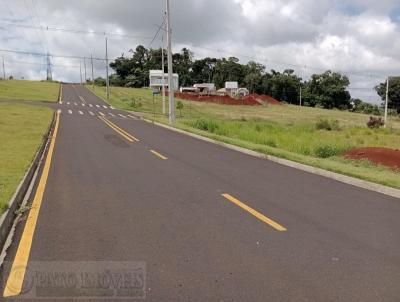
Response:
column 381, row 156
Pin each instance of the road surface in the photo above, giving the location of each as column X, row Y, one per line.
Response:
column 204, row 223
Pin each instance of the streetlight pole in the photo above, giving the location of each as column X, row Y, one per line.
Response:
column 91, row 60
column 84, row 64
column 170, row 73
column 107, row 79
column 163, row 72
column 386, row 100
column 4, row 70
column 80, row 70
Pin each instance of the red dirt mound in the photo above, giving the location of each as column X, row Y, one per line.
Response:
column 383, row 156
column 265, row 98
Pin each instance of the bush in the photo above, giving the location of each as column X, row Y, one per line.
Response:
column 179, row 106
column 326, row 151
column 324, row 124
column 206, row 125
column 375, row 122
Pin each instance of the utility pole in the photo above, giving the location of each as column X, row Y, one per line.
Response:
column 170, row 73
column 4, row 70
column 91, row 60
column 387, row 100
column 163, row 72
column 300, row 96
column 80, row 70
column 84, row 65
column 107, row 80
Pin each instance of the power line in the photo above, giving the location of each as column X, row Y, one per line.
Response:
column 75, row 31
column 157, row 32
column 24, row 52
column 285, row 63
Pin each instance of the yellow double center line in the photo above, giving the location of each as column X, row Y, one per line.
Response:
column 120, row 131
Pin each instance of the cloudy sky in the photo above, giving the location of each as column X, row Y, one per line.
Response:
column 360, row 38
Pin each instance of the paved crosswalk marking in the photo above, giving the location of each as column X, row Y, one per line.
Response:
column 111, row 114
column 90, row 105
column 68, row 103
column 123, row 116
column 101, row 113
column 83, row 104
column 76, row 104
column 134, row 117
column 97, row 106
column 104, row 106
column 91, row 113
column 70, row 111
column 80, row 112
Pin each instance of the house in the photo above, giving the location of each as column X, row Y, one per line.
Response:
column 230, row 89
column 156, row 80
column 205, row 87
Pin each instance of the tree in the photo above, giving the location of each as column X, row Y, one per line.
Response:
column 282, row 86
column 327, row 90
column 394, row 92
column 254, row 75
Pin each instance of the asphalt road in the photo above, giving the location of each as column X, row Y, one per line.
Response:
column 123, row 190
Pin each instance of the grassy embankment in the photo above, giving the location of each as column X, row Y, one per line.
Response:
column 29, row 90
column 285, row 131
column 22, row 128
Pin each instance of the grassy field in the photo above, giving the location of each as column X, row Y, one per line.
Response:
column 286, row 131
column 29, row 90
column 21, row 132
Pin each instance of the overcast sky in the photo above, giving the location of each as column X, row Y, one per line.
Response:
column 360, row 38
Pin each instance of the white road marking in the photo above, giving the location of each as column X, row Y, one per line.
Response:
column 111, row 114
column 91, row 113
column 80, row 112
column 83, row 104
column 60, row 102
column 123, row 116
column 105, row 107
column 76, row 104
column 68, row 103
column 97, row 106
column 112, row 107
column 134, row 117
column 90, row 105
column 59, row 111
column 101, row 113
column 70, row 111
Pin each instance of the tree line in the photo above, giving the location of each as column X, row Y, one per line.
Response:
column 326, row 90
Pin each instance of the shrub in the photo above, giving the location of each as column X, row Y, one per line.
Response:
column 179, row 106
column 325, row 124
column 206, row 125
column 375, row 122
column 326, row 151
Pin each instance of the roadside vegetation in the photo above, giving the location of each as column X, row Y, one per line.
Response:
column 29, row 90
column 307, row 135
column 22, row 128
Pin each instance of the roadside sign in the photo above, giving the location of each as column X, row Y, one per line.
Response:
column 155, row 91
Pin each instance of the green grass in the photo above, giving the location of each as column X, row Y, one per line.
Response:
column 29, row 90
column 290, row 132
column 22, row 128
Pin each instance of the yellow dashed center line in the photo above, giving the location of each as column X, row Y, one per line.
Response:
column 122, row 132
column 158, row 154
column 253, row 212
column 18, row 269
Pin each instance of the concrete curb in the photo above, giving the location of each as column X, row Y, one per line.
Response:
column 371, row 186
column 7, row 218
